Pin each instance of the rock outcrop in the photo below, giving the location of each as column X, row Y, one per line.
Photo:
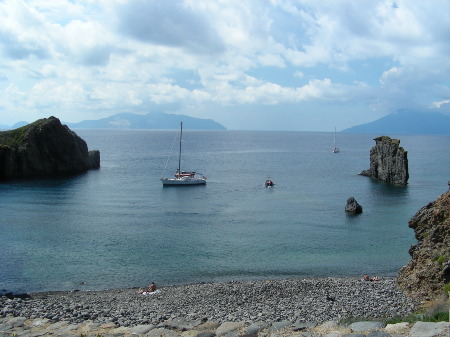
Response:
column 44, row 148
column 352, row 206
column 388, row 162
column 429, row 269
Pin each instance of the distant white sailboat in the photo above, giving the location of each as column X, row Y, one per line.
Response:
column 335, row 148
column 183, row 177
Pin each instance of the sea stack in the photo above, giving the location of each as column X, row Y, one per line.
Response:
column 352, row 206
column 388, row 162
column 429, row 269
column 44, row 148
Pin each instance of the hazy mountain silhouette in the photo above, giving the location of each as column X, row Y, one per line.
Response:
column 152, row 120
column 15, row 126
column 406, row 122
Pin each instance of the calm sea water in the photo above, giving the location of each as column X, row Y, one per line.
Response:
column 118, row 227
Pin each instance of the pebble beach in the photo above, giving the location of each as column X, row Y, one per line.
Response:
column 262, row 303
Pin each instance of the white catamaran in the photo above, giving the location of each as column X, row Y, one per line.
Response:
column 184, row 177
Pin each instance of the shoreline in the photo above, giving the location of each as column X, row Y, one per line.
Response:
column 84, row 286
column 295, row 300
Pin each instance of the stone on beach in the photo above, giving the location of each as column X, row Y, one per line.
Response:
column 365, row 326
column 184, row 307
column 429, row 329
column 209, row 309
column 8, row 327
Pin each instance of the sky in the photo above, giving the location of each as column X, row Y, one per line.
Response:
column 303, row 65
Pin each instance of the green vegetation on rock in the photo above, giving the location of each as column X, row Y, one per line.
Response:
column 441, row 316
column 441, row 259
column 14, row 138
column 447, row 289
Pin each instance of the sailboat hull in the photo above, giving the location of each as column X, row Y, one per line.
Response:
column 183, row 181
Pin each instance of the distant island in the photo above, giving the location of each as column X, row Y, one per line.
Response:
column 152, row 120
column 406, row 122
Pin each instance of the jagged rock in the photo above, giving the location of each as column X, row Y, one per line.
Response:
column 428, row 270
column 388, row 162
column 352, row 206
column 44, row 148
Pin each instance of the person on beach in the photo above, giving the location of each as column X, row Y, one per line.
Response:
column 375, row 279
column 366, row 278
column 151, row 288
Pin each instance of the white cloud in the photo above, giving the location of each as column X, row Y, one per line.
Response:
column 49, row 92
column 439, row 104
column 12, row 93
column 88, row 43
column 169, row 23
column 22, row 32
column 298, row 74
column 105, row 56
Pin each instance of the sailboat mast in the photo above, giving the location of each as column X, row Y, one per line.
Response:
column 334, row 137
column 179, row 155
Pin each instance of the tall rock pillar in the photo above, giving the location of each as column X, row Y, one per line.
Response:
column 388, row 162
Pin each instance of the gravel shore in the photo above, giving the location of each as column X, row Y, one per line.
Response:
column 294, row 300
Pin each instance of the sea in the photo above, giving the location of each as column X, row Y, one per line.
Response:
column 118, row 227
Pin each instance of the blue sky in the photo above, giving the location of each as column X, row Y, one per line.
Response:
column 303, row 65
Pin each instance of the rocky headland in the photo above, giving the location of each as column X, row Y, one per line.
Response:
column 428, row 271
column 388, row 162
column 44, row 148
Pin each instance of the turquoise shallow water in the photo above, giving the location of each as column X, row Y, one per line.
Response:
column 118, row 227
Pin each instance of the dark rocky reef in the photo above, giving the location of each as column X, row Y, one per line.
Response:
column 352, row 206
column 388, row 162
column 429, row 269
column 44, row 148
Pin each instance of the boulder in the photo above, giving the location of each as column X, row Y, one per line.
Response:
column 44, row 148
column 352, row 206
column 388, row 162
column 429, row 269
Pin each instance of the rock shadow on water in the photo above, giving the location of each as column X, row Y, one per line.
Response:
column 381, row 191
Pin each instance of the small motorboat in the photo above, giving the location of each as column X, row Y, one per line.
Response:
column 268, row 183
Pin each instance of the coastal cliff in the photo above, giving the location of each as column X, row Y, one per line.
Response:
column 388, row 162
column 44, row 148
column 429, row 269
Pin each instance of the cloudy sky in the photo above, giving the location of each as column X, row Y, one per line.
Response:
column 259, row 64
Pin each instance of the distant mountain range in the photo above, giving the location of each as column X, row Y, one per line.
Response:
column 152, row 120
column 401, row 122
column 406, row 122
column 15, row 126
